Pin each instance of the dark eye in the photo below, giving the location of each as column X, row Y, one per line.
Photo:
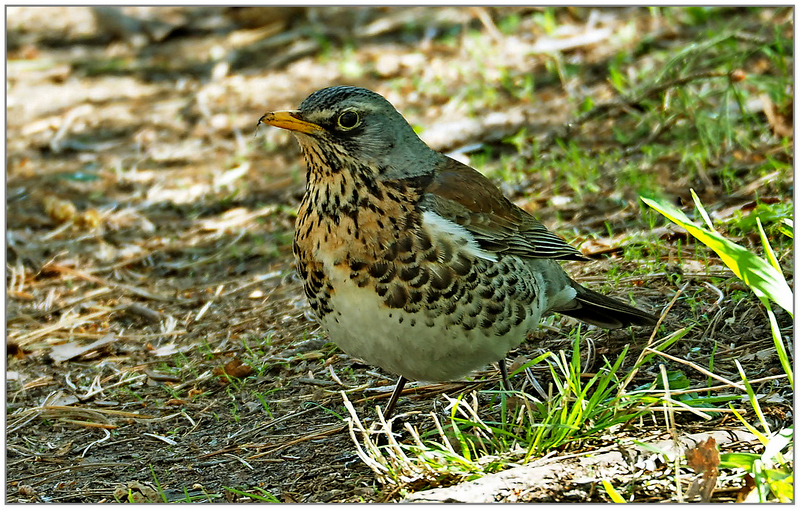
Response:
column 348, row 120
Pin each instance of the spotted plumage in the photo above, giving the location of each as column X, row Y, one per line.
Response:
column 413, row 261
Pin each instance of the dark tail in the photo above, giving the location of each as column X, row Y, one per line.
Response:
column 605, row 312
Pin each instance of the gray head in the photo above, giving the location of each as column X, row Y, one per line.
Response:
column 347, row 126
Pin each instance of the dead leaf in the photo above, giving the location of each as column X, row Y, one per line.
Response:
column 517, row 362
column 704, row 458
column 89, row 218
column 233, row 368
column 139, row 310
column 135, row 492
column 12, row 349
column 64, row 450
column 70, row 350
column 780, row 119
column 164, row 350
column 738, row 75
column 59, row 210
column 26, row 490
column 61, row 399
column 749, row 485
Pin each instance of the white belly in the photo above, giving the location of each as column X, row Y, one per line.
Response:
column 412, row 345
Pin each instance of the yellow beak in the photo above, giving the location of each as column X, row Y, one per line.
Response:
column 290, row 119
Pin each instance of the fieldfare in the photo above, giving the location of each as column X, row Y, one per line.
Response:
column 413, row 261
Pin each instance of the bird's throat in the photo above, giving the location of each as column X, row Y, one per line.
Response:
column 349, row 211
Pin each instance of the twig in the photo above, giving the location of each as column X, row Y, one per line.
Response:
column 209, row 258
column 106, row 438
column 261, row 278
column 335, row 377
column 68, row 468
column 64, row 226
column 92, row 294
column 145, row 336
column 568, row 128
column 161, row 438
column 112, row 412
column 669, row 414
column 139, row 310
column 750, row 38
column 206, row 306
column 655, row 135
column 244, row 462
column 315, row 435
column 206, row 375
column 102, row 281
column 653, row 276
column 65, row 322
column 720, row 295
column 695, row 410
column 650, row 341
column 487, row 22
column 125, row 262
column 245, row 433
column 697, row 367
column 90, row 424
column 119, row 383
column 716, row 388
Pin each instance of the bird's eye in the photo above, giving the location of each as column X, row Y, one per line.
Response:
column 348, row 120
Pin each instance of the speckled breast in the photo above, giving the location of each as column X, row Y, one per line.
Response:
column 418, row 298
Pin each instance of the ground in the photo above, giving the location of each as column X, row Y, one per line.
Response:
column 160, row 346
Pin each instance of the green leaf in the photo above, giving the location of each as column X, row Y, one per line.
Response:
column 738, row 460
column 677, row 380
column 787, row 228
column 781, row 484
column 759, row 275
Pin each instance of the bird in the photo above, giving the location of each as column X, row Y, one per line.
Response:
column 413, row 261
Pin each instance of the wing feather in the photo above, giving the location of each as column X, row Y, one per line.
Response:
column 463, row 195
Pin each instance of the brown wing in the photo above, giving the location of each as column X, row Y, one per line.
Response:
column 463, row 195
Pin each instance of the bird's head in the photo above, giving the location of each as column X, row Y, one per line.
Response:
column 354, row 129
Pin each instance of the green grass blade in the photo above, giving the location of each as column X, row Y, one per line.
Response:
column 615, row 496
column 767, row 247
column 777, row 339
column 761, row 437
column 267, row 497
column 669, row 340
column 751, row 395
column 702, row 211
column 787, row 228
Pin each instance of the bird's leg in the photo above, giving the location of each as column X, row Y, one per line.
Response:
column 398, row 389
column 504, row 374
column 387, row 413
